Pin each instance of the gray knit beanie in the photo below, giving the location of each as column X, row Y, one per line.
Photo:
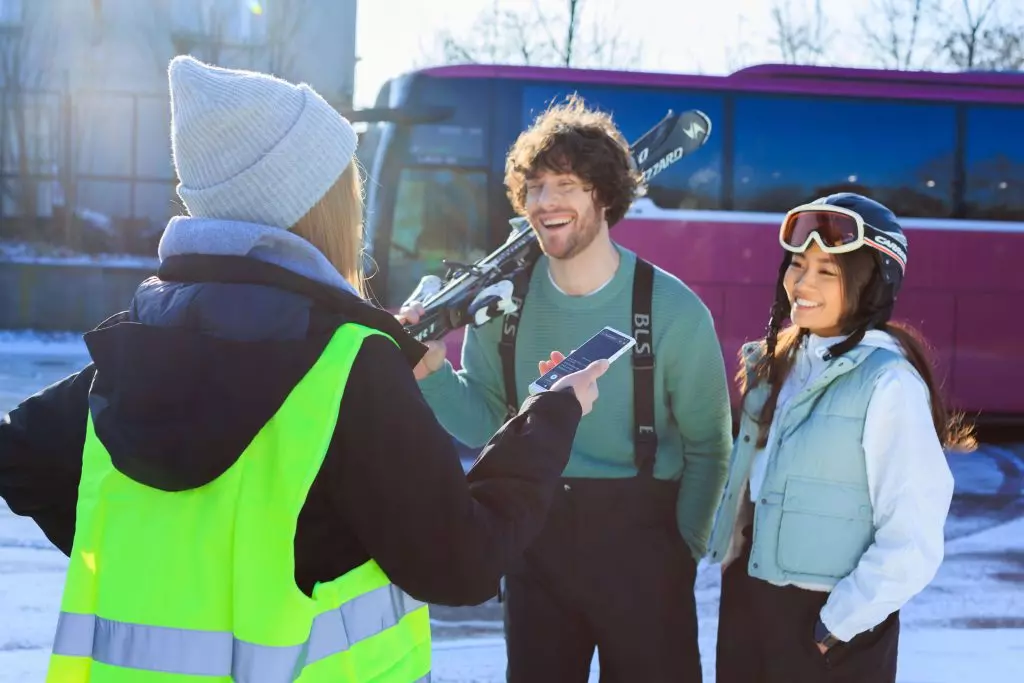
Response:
column 250, row 147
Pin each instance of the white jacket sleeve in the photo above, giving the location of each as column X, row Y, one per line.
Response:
column 911, row 488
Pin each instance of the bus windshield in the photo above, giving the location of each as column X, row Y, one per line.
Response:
column 439, row 213
column 429, row 188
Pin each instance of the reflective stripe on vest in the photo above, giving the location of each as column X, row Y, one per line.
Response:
column 211, row 653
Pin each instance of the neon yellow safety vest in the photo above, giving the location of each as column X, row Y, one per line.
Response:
column 199, row 585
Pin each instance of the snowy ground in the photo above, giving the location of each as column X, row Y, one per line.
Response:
column 34, row 252
column 968, row 626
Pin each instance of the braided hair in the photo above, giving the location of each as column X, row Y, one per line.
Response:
column 780, row 311
column 869, row 305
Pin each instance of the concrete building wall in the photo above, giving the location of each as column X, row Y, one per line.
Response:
column 85, row 111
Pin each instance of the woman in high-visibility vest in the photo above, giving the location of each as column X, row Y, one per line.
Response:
column 246, row 479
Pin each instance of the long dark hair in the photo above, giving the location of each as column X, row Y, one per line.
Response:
column 866, row 306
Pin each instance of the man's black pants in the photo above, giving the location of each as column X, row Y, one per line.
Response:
column 766, row 635
column 611, row 571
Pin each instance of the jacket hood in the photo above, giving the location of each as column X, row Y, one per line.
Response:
column 206, row 355
column 216, row 237
column 176, row 408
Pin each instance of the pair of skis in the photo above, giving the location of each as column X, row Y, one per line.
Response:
column 478, row 293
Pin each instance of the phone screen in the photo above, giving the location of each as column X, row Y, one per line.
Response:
column 602, row 345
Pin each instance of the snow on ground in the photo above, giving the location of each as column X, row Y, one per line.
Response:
column 967, row 626
column 48, row 254
column 67, row 347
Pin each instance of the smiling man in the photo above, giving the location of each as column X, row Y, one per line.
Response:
column 615, row 566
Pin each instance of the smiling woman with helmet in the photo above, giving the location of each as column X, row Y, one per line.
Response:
column 838, row 490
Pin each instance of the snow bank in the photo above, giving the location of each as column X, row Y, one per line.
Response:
column 34, row 343
column 47, row 254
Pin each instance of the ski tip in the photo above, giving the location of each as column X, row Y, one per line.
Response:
column 694, row 121
column 707, row 122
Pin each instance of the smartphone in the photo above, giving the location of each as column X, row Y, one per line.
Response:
column 609, row 344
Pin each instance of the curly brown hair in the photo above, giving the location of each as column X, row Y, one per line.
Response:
column 570, row 138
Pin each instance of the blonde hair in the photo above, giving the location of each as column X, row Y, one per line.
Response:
column 335, row 226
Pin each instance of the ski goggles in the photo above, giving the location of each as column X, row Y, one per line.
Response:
column 837, row 230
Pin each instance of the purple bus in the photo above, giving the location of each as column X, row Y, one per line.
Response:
column 943, row 150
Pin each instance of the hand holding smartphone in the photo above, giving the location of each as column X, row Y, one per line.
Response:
column 583, row 384
column 608, row 344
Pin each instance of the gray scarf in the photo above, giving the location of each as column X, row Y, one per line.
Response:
column 216, row 237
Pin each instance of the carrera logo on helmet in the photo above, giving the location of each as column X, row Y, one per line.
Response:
column 900, row 239
column 891, row 244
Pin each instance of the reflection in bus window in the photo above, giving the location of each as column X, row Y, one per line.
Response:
column 790, row 150
column 995, row 164
column 440, row 213
column 694, row 182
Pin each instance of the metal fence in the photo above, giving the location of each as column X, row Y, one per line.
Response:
column 87, row 170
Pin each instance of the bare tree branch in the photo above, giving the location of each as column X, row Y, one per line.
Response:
column 531, row 37
column 454, row 52
column 737, row 55
column 570, row 30
column 1001, row 49
column 962, row 44
column 608, row 49
column 552, row 40
column 800, row 40
column 891, row 29
column 520, row 29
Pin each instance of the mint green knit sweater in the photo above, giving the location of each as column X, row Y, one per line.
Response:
column 692, row 415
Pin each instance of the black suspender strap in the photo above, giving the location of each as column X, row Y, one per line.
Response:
column 645, row 439
column 507, row 345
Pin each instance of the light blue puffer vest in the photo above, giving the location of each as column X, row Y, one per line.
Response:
column 813, row 516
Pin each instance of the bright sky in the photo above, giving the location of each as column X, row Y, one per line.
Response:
column 677, row 35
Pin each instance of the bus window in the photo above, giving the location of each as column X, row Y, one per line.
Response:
column 447, row 144
column 790, row 150
column 694, row 182
column 440, row 213
column 994, row 158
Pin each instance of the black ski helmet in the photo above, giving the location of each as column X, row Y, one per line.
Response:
column 883, row 232
column 888, row 244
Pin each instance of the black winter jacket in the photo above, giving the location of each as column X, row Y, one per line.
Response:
column 209, row 349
